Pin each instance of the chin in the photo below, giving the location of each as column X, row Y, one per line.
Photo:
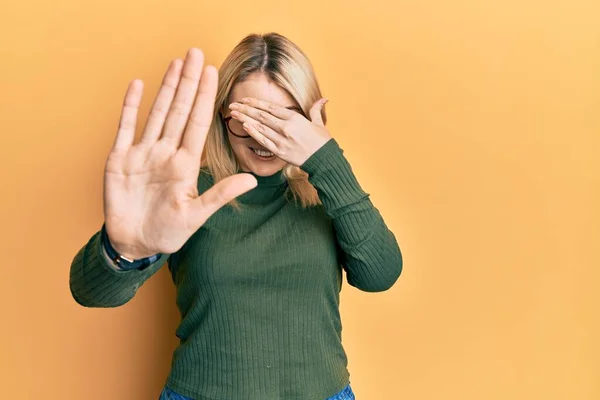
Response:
column 266, row 170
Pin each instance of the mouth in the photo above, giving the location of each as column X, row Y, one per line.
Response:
column 262, row 154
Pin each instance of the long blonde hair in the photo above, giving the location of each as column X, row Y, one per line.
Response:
column 283, row 63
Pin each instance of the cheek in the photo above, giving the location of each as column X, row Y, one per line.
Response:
column 240, row 149
column 236, row 144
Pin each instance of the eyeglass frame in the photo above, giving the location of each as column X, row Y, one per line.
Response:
column 226, row 120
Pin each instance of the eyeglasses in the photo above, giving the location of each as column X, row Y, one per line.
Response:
column 235, row 127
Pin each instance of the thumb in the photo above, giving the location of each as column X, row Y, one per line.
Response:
column 221, row 193
column 315, row 112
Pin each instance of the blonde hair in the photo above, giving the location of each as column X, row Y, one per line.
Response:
column 283, row 63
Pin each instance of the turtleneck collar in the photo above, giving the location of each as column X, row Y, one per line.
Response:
column 277, row 179
column 268, row 189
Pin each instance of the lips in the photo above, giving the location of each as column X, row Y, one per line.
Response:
column 265, row 158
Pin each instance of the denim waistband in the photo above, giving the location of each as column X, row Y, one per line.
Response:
column 344, row 394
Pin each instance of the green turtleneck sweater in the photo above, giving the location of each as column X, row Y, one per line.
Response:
column 258, row 290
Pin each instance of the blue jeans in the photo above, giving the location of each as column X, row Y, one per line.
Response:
column 344, row 394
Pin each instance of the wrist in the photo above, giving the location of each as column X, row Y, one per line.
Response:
column 125, row 259
column 128, row 252
column 125, row 249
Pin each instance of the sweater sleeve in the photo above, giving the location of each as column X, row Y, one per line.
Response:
column 94, row 282
column 371, row 256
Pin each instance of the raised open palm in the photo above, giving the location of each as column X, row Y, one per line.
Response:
column 151, row 202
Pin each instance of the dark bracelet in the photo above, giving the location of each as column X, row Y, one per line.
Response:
column 123, row 262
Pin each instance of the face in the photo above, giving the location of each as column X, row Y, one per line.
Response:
column 257, row 86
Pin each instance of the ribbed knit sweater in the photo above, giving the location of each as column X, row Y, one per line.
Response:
column 258, row 289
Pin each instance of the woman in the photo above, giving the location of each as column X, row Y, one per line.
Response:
column 237, row 183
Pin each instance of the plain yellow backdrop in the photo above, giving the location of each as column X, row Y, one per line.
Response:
column 473, row 124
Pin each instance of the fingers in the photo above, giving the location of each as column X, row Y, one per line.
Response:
column 202, row 114
column 177, row 116
column 315, row 112
column 128, row 121
column 260, row 138
column 220, row 194
column 259, row 115
column 262, row 129
column 162, row 103
column 272, row 108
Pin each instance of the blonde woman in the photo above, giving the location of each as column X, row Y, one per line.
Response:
column 239, row 187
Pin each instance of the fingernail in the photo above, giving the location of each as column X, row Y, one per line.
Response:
column 325, row 101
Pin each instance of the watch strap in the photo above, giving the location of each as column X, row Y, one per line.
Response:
column 124, row 262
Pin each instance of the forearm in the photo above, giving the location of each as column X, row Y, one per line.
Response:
column 95, row 281
column 370, row 253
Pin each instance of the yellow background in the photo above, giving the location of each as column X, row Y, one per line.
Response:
column 473, row 124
